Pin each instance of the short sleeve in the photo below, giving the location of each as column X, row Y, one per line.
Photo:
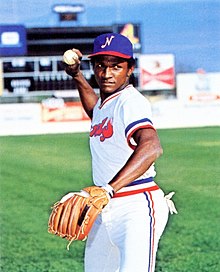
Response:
column 136, row 114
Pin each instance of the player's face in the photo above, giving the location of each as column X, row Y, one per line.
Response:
column 112, row 74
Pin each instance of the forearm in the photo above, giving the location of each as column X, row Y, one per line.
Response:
column 87, row 94
column 148, row 150
column 137, row 165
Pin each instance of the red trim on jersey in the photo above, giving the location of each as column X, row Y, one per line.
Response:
column 109, row 98
column 133, row 131
column 134, row 192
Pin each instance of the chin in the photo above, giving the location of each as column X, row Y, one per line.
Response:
column 108, row 90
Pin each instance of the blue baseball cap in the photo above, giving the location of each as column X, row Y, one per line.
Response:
column 112, row 44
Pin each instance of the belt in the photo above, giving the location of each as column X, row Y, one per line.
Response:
column 137, row 187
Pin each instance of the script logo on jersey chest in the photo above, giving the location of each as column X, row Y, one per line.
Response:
column 104, row 130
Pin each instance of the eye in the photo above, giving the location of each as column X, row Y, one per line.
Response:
column 116, row 67
column 99, row 66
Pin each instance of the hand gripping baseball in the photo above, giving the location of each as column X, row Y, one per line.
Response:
column 73, row 216
column 72, row 59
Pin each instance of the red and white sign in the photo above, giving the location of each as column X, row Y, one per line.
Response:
column 56, row 110
column 157, row 72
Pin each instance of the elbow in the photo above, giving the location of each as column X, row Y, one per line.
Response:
column 159, row 152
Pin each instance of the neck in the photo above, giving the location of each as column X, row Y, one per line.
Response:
column 106, row 95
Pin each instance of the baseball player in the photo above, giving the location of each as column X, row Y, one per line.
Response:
column 124, row 146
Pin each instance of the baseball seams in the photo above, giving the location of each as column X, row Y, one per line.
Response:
column 70, row 57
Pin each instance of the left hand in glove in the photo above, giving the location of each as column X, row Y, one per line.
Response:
column 73, row 216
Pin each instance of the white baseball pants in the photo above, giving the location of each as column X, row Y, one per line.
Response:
column 125, row 236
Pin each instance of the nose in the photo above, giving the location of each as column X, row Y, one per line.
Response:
column 107, row 72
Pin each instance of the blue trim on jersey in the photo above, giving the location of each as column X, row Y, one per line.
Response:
column 140, row 181
column 135, row 123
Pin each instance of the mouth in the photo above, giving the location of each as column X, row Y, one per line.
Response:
column 107, row 83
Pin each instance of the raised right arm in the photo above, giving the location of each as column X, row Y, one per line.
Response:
column 87, row 94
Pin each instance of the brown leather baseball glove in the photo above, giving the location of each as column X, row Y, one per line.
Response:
column 73, row 216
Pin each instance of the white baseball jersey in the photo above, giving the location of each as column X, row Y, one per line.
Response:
column 111, row 143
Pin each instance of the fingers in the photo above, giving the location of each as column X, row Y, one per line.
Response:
column 67, row 196
column 78, row 53
column 72, row 70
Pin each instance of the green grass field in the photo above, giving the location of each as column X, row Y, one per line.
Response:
column 37, row 170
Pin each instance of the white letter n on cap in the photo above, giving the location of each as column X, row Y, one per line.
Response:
column 108, row 41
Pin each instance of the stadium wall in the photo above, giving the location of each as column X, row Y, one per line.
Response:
column 26, row 119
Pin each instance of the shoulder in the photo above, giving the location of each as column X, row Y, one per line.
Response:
column 131, row 95
column 131, row 92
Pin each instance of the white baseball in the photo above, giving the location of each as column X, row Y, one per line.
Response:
column 70, row 57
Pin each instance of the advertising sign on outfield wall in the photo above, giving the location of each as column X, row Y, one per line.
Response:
column 56, row 110
column 199, row 87
column 157, row 72
column 13, row 40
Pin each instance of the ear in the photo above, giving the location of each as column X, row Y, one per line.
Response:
column 130, row 71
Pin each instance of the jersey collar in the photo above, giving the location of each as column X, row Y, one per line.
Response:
column 109, row 99
column 112, row 97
